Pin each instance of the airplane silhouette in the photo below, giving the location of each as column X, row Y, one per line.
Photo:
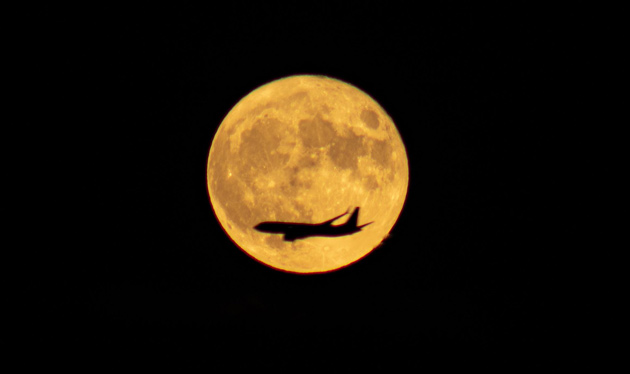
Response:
column 293, row 231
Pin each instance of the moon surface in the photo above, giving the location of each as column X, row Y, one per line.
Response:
column 306, row 149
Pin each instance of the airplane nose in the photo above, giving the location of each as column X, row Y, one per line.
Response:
column 261, row 227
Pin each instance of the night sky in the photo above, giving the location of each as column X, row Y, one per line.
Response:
column 150, row 278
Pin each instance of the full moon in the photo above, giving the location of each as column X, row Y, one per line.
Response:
column 305, row 149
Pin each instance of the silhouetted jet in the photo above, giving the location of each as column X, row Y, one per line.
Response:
column 293, row 231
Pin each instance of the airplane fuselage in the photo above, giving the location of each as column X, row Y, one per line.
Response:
column 312, row 229
column 293, row 231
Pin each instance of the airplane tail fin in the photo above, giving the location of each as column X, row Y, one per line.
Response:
column 354, row 218
column 330, row 221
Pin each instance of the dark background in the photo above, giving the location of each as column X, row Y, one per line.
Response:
column 469, row 273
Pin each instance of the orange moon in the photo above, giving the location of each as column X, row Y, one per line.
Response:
column 306, row 149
